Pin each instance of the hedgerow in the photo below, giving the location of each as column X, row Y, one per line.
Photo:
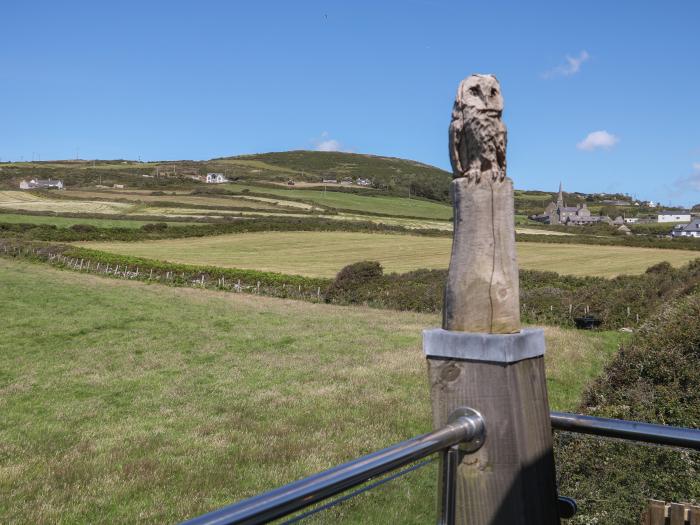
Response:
column 49, row 232
column 654, row 378
column 545, row 297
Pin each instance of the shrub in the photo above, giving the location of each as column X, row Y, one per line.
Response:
column 155, row 227
column 352, row 277
column 83, row 228
column 654, row 378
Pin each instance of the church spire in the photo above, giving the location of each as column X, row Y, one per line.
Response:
column 560, row 196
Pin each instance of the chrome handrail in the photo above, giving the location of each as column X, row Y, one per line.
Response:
column 630, row 430
column 467, row 428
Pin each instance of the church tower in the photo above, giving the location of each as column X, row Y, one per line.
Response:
column 560, row 197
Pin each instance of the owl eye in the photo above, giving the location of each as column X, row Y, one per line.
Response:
column 474, row 91
column 494, row 92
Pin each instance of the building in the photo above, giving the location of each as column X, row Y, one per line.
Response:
column 216, row 178
column 41, row 184
column 673, row 216
column 625, row 229
column 559, row 213
column 364, row 182
column 692, row 229
column 631, row 220
column 330, row 181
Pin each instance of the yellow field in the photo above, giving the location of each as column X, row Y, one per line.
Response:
column 19, row 200
column 324, row 253
column 184, row 199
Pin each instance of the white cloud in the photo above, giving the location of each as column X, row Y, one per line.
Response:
column 572, row 66
column 328, row 145
column 598, row 140
column 691, row 182
column 325, row 143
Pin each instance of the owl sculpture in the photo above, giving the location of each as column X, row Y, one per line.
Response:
column 477, row 134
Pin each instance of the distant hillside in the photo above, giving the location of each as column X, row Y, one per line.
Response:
column 392, row 175
column 389, row 173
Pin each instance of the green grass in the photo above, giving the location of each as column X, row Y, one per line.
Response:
column 16, row 218
column 123, row 402
column 398, row 206
column 323, row 254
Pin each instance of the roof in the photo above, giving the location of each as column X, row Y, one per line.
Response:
column 692, row 226
column 668, row 212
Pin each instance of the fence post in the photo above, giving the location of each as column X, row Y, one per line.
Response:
column 480, row 358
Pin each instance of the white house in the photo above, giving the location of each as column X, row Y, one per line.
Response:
column 47, row 184
column 216, row 178
column 673, row 216
column 691, row 229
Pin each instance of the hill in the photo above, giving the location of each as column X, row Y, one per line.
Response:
column 388, row 173
column 392, row 175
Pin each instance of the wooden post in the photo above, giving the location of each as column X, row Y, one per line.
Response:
column 480, row 358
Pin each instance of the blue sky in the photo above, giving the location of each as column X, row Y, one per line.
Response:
column 604, row 96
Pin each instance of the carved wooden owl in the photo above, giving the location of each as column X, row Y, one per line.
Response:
column 477, row 134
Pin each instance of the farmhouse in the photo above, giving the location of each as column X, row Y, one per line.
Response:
column 559, row 213
column 216, row 178
column 673, row 216
column 47, row 184
column 692, row 229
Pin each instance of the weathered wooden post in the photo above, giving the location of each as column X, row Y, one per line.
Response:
column 481, row 358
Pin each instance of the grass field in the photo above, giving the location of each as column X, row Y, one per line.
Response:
column 224, row 202
column 347, row 201
column 16, row 218
column 123, row 402
column 324, row 253
column 18, row 200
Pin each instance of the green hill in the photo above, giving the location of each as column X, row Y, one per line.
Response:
column 388, row 175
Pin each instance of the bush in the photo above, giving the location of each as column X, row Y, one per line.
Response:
column 654, row 378
column 352, row 277
column 83, row 228
column 155, row 227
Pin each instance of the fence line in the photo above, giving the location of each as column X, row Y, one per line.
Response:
column 662, row 513
column 198, row 279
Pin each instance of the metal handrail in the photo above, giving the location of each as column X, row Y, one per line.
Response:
column 466, row 426
column 305, row 492
column 630, row 430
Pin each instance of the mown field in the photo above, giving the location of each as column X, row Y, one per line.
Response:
column 126, row 402
column 323, row 254
column 61, row 222
column 397, row 206
column 214, row 201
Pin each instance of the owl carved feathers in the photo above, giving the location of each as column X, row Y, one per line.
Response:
column 477, row 134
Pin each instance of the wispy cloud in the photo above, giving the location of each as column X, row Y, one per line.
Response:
column 325, row 143
column 571, row 67
column 598, row 140
column 691, row 182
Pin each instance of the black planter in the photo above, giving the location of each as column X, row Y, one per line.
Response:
column 587, row 322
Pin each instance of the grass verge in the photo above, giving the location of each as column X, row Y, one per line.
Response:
column 124, row 402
